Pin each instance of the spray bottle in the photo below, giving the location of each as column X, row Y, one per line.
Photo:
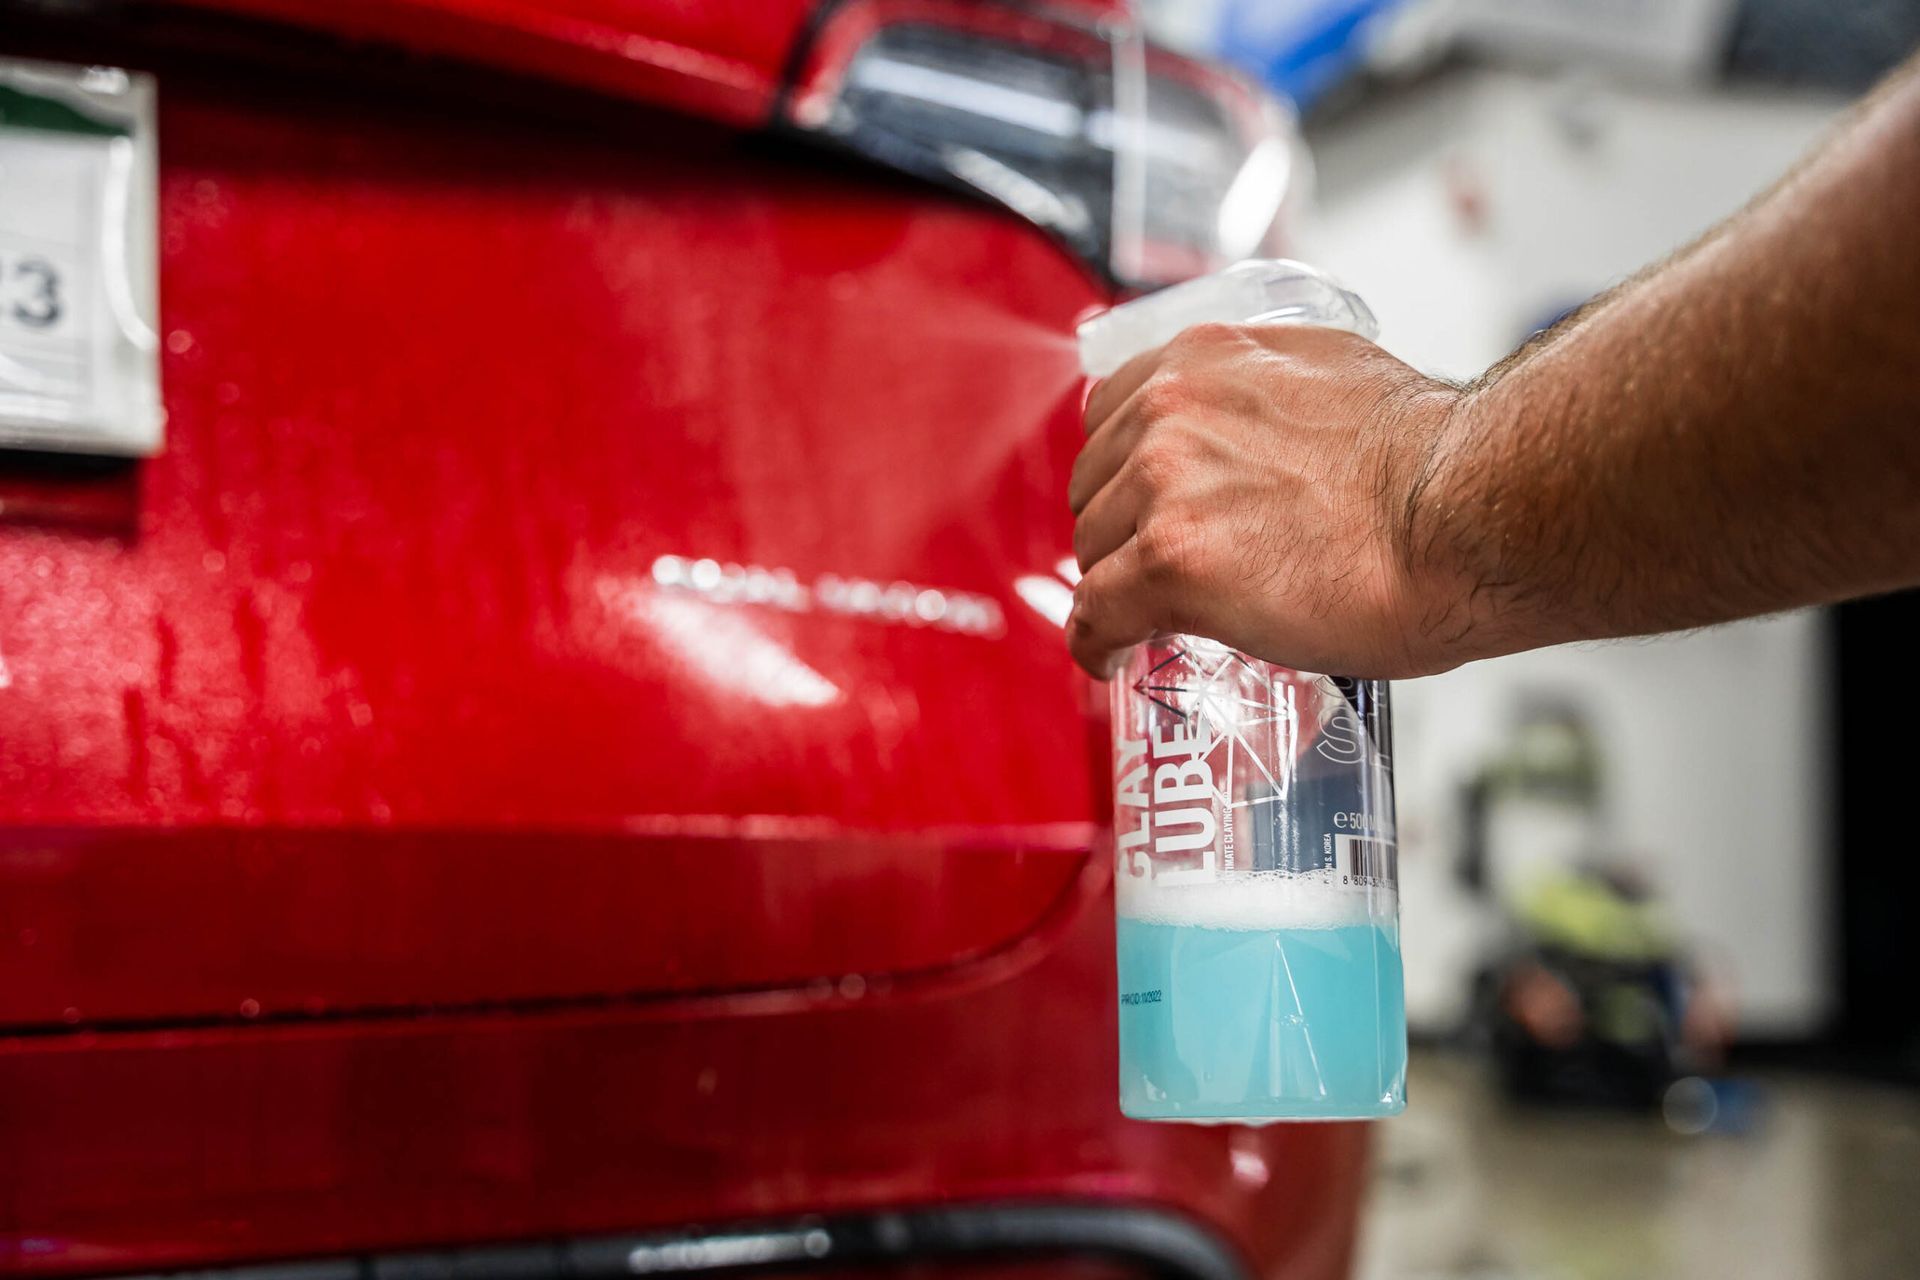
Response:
column 1255, row 877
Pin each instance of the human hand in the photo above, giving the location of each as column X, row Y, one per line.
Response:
column 1264, row 486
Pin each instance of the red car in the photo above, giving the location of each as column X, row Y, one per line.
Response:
column 564, row 763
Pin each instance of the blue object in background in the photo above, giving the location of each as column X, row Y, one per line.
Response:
column 1299, row 48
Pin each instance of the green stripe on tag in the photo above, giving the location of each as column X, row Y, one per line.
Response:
column 22, row 110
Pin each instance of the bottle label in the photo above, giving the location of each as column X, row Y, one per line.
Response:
column 1225, row 765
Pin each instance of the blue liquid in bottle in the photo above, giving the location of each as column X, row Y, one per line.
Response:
column 1252, row 1023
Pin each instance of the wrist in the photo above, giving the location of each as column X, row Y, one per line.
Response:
column 1436, row 524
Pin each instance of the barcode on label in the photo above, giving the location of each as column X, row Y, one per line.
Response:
column 1366, row 860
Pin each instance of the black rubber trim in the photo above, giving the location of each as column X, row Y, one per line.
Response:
column 1161, row 1244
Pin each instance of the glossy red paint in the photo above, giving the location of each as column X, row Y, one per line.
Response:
column 168, row 1149
column 719, row 58
column 388, row 857
column 139, row 926
column 394, row 573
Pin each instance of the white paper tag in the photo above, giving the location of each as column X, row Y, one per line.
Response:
column 79, row 360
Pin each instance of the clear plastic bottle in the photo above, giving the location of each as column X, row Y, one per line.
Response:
column 1255, row 882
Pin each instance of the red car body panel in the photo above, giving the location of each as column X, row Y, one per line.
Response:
column 393, row 578
column 723, row 59
column 719, row 58
column 169, row 1148
column 391, row 855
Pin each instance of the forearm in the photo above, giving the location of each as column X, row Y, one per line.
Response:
column 1734, row 433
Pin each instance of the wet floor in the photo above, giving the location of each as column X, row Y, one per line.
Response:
column 1824, row 1185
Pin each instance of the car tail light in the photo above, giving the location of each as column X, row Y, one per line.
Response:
column 1152, row 166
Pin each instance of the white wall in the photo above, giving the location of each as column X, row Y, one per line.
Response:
column 1467, row 211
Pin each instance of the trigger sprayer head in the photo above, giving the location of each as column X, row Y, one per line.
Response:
column 1273, row 290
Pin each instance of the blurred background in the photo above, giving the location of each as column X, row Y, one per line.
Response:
column 1707, row 806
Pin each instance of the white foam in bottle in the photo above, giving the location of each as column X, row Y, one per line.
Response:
column 1255, row 900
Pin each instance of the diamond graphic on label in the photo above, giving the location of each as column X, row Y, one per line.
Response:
column 1244, row 712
